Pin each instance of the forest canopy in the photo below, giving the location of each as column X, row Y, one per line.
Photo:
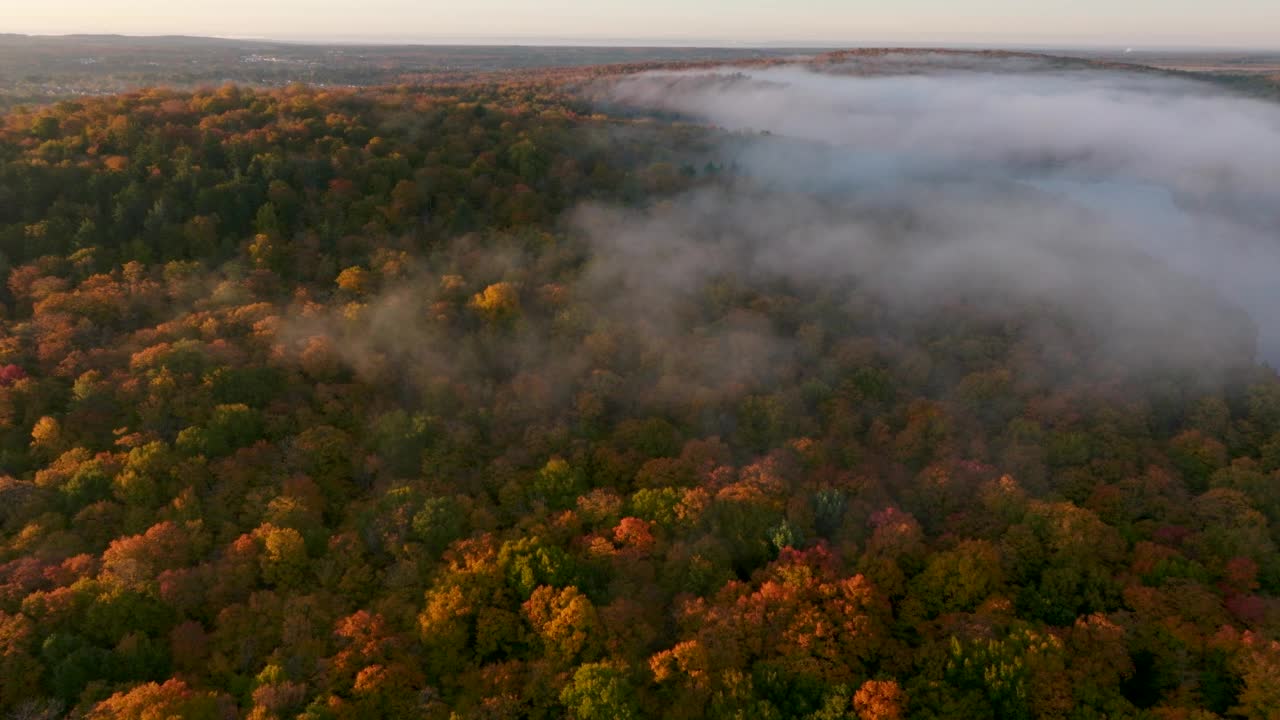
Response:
column 543, row 398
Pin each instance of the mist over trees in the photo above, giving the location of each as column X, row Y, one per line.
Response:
column 910, row 386
column 1026, row 173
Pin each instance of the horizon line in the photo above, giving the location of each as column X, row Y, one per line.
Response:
column 708, row 43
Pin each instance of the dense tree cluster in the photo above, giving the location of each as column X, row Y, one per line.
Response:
column 306, row 412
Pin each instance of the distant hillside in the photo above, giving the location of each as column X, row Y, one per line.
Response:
column 36, row 69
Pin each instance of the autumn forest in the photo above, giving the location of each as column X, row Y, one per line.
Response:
column 403, row 402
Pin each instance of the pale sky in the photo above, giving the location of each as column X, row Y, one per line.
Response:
column 1251, row 23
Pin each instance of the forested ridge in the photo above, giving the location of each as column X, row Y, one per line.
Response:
column 311, row 406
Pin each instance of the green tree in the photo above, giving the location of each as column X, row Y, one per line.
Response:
column 600, row 691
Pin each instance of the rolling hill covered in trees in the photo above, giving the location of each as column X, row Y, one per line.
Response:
column 403, row 402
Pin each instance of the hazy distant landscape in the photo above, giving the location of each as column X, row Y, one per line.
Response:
column 45, row 69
